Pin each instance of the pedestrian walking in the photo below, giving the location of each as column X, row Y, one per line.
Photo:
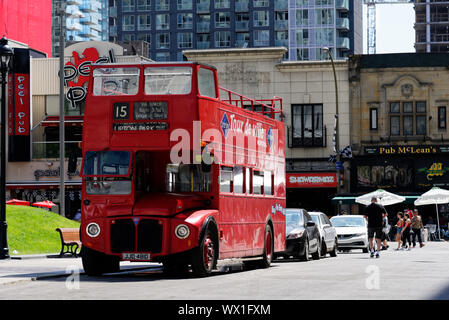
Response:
column 374, row 213
column 417, row 227
column 399, row 226
column 385, row 230
column 406, row 232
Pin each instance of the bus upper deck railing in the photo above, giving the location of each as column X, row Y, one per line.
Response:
column 267, row 107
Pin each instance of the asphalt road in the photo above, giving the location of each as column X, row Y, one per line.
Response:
column 417, row 274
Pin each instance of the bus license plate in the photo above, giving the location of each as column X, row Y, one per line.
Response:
column 136, row 256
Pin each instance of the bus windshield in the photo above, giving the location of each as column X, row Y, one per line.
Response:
column 114, row 81
column 168, row 80
column 107, row 163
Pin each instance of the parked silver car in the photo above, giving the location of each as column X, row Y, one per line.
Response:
column 328, row 234
column 352, row 232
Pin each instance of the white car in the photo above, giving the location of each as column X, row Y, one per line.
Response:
column 328, row 234
column 352, row 232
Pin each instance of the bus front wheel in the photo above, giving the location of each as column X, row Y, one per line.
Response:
column 204, row 258
column 96, row 263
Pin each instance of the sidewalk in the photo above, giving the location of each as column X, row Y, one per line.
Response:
column 37, row 267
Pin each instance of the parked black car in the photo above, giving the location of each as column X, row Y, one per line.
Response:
column 303, row 236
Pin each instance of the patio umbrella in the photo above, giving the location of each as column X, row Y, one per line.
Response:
column 17, row 202
column 384, row 198
column 434, row 196
column 44, row 204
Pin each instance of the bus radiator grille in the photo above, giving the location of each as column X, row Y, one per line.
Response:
column 149, row 236
column 123, row 236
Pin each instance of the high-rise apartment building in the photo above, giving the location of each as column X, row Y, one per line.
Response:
column 432, row 25
column 85, row 20
column 303, row 26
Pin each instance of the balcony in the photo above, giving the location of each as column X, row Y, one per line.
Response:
column 90, row 7
column 342, row 5
column 241, row 6
column 203, row 7
column 281, row 43
column 75, row 2
column 281, row 25
column 281, row 5
column 113, row 12
column 342, row 23
column 73, row 26
column 202, row 27
column 343, row 43
column 203, row 45
column 242, row 25
column 113, row 31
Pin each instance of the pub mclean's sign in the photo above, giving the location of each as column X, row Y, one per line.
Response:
column 406, row 150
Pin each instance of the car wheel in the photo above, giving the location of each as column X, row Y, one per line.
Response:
column 305, row 257
column 366, row 250
column 323, row 248
column 333, row 253
column 316, row 255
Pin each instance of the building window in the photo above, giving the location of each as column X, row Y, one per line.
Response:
column 162, row 5
column 203, row 23
column 143, row 22
column 185, row 20
column 202, row 5
column 302, row 37
column 162, row 41
column 242, row 21
column 307, row 125
column 128, row 5
column 203, row 41
column 144, row 37
column 162, row 56
column 408, row 118
column 261, row 19
column 302, row 54
column 302, row 18
column 129, row 37
column 441, row 117
column 185, row 4
column 222, row 39
column 143, row 5
column 324, row 16
column 324, row 37
column 261, row 37
column 185, row 40
column 162, row 21
column 373, row 119
column 222, row 20
column 128, row 23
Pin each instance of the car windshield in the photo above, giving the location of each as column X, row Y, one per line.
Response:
column 294, row 218
column 348, row 221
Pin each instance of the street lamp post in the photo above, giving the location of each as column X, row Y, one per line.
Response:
column 61, row 117
column 5, row 55
column 337, row 142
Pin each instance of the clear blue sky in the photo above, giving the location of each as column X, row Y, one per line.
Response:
column 394, row 28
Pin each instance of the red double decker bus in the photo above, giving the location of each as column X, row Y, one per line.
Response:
column 178, row 170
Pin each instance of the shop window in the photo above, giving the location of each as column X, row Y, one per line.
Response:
column 441, row 117
column 307, row 124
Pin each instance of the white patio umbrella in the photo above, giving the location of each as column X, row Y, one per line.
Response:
column 384, row 198
column 434, row 196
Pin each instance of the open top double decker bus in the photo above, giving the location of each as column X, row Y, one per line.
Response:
column 178, row 170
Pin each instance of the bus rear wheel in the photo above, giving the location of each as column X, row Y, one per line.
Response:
column 204, row 258
column 96, row 263
column 268, row 248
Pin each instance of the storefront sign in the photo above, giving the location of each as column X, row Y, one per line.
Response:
column 19, row 107
column 406, row 150
column 312, row 180
column 432, row 173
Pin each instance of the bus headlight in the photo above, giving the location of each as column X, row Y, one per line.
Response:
column 182, row 231
column 93, row 230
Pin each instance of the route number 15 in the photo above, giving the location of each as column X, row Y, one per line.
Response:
column 121, row 111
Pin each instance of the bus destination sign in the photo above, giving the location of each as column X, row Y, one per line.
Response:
column 139, row 126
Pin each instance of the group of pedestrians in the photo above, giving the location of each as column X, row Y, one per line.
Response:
column 408, row 228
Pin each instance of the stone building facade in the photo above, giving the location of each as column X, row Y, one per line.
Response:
column 399, row 130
